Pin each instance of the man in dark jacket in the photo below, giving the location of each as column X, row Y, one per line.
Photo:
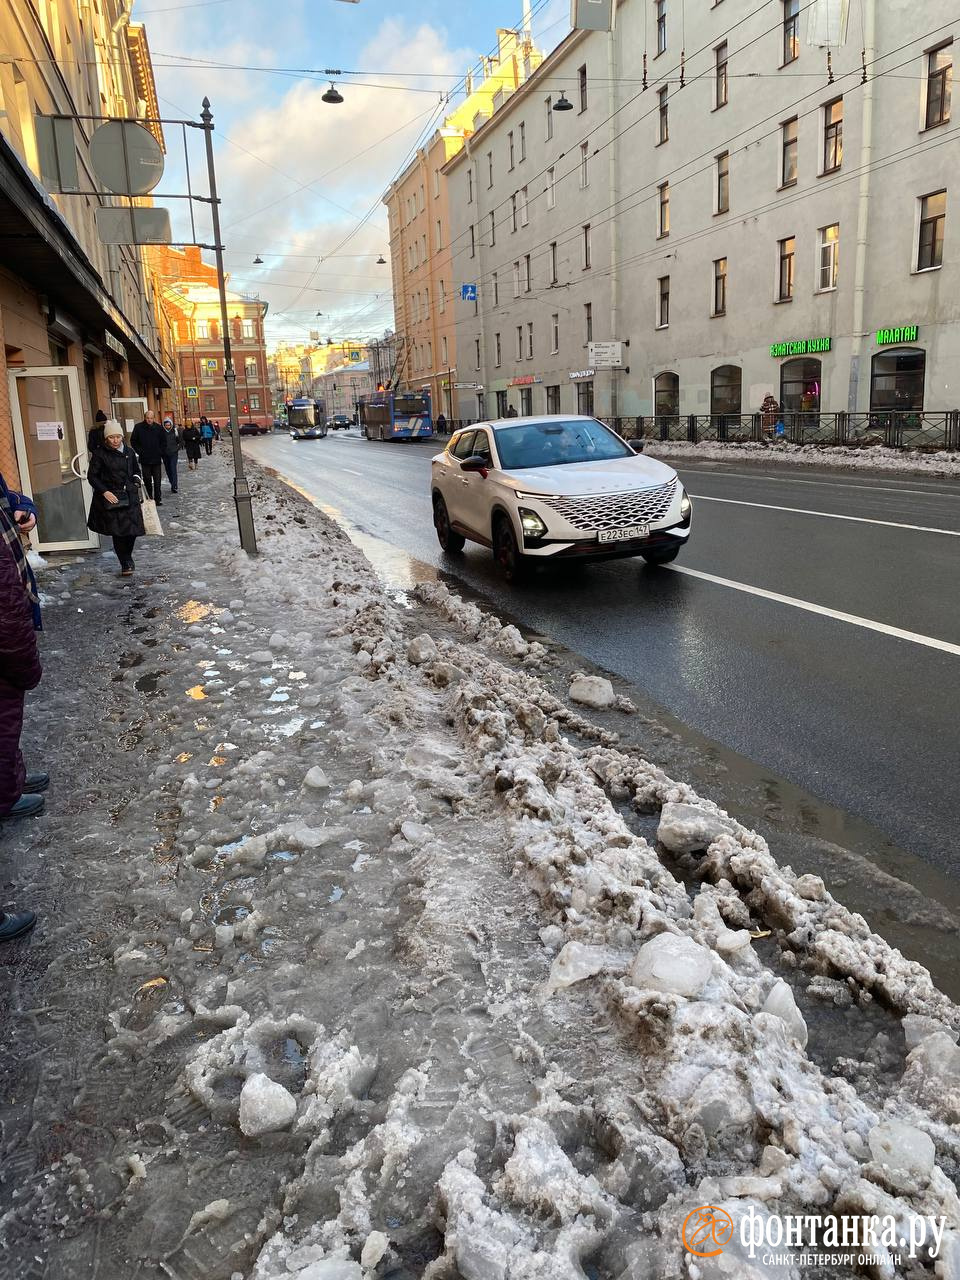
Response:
column 95, row 434
column 171, row 447
column 147, row 441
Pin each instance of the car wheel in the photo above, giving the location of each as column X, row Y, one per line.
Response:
column 661, row 557
column 449, row 540
column 506, row 552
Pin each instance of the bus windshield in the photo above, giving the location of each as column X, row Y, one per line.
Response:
column 412, row 404
column 549, row 444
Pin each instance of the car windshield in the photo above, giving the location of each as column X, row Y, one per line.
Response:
column 550, row 444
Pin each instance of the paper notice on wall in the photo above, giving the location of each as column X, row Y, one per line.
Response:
column 49, row 430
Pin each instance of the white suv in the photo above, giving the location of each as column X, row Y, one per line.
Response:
column 555, row 488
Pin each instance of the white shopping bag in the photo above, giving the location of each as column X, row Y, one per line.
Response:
column 151, row 519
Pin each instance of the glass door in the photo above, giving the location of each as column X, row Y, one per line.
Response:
column 52, row 454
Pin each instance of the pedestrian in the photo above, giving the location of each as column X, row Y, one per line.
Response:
column 191, row 442
column 206, row 435
column 95, row 434
column 512, row 412
column 114, row 476
column 20, row 792
column 216, row 429
column 441, row 424
column 147, row 441
column 171, row 447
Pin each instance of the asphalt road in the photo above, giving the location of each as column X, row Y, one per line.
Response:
column 844, row 688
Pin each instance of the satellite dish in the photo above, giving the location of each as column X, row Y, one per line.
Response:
column 126, row 157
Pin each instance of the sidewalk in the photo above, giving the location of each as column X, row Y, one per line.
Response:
column 876, row 458
column 361, row 954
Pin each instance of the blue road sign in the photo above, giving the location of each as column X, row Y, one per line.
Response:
column 468, row 292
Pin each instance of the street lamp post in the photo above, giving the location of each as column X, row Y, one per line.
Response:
column 241, row 489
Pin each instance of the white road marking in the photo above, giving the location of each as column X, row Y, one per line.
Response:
column 836, row 484
column 827, row 515
column 351, row 473
column 897, row 633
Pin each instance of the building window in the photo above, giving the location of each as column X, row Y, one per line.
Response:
column 896, row 380
column 439, row 234
column 519, row 341
column 497, row 351
column 489, row 170
column 829, row 256
column 788, row 152
column 250, row 368
column 526, row 401
column 501, row 404
column 723, row 182
column 516, row 279
column 933, row 214
column 662, row 116
column 496, row 290
column 209, row 404
column 548, row 107
column 436, row 183
column 523, row 140
column 510, row 150
column 584, row 152
column 513, row 212
column 588, row 321
column 469, row 186
column 522, row 203
column 663, row 209
column 553, row 399
column 719, row 287
column 666, row 395
column 585, row 398
column 254, row 404
column 725, row 383
column 663, row 302
column 553, row 263
column 529, row 339
column 247, row 329
column 833, row 136
column 551, row 187
column 443, row 296
column 785, row 273
column 203, row 330
column 554, row 333
column 443, row 350
column 526, row 273
column 493, row 229
column 791, row 31
column 660, row 9
column 582, row 86
column 800, row 382
column 476, row 351
column 939, row 83
column 473, row 241
column 586, row 247
column 721, row 83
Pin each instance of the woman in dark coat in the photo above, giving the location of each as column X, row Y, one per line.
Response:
column 191, row 442
column 114, row 477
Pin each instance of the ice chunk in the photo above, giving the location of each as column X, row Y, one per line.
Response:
column 592, row 691
column 685, row 828
column 574, row 963
column 375, row 1246
column 906, row 1153
column 781, row 1003
column 421, row 649
column 511, row 642
column 331, row 1269
column 722, row 1108
column 917, row 1027
column 672, row 962
column 316, row 778
column 265, row 1106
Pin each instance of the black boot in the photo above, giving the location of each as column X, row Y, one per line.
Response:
column 17, row 925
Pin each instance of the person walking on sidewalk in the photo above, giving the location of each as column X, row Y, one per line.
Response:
column 171, row 448
column 114, row 477
column 95, row 434
column 147, row 440
column 206, row 435
column 191, row 442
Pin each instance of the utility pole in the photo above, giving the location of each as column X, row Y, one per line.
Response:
column 241, row 489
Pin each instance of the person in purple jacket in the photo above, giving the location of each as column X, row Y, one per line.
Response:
column 20, row 792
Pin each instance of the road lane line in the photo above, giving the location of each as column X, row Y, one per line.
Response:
column 827, row 515
column 836, row 484
column 897, row 633
column 351, row 473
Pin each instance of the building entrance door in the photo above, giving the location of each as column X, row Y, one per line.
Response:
column 52, row 454
column 128, row 411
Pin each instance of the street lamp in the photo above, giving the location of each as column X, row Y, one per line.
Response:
column 381, row 261
column 258, row 261
column 332, row 95
column 563, row 103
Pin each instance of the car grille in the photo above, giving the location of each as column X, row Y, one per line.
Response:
column 615, row 510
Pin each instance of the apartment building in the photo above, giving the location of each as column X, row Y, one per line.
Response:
column 758, row 205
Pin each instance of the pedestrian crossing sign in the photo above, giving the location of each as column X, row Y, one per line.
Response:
column 192, row 393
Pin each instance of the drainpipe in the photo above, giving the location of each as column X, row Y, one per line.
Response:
column 614, row 197
column 863, row 209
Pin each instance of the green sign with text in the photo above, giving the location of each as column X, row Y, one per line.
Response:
column 908, row 333
column 799, row 347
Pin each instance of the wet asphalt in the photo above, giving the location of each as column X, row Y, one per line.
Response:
column 864, row 720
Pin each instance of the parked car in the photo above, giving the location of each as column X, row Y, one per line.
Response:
column 339, row 422
column 281, row 424
column 308, row 433
column 251, row 429
column 556, row 488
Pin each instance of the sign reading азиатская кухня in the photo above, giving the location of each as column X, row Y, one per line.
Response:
column 800, row 347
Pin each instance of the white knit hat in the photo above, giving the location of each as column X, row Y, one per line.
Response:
column 112, row 428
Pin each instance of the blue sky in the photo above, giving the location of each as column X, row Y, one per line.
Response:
column 298, row 177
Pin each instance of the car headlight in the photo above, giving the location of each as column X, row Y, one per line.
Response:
column 533, row 526
column 686, row 506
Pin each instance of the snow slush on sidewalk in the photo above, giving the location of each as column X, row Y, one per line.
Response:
column 427, row 976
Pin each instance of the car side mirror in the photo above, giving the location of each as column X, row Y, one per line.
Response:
column 476, row 462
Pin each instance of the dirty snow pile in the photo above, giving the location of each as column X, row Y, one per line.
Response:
column 868, row 458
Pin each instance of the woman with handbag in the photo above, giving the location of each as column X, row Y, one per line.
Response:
column 114, row 476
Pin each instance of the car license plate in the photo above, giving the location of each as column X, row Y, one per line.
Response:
column 624, row 535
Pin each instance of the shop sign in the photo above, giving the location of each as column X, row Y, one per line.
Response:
column 800, row 347
column 525, row 380
column 581, row 373
column 886, row 337
column 116, row 347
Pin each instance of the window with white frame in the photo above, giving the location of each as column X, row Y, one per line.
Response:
column 513, row 211
column 443, row 295
column 788, row 152
column 786, row 256
column 586, row 249
column 553, row 262
column 551, row 187
column 526, row 273
column 828, row 262
column 443, row 350
column 663, row 209
column 554, row 333
column 588, row 322
column 933, row 217
column 439, row 234
column 203, row 330
column 548, row 108
column 436, row 183
column 529, row 339
column 516, row 279
column 522, row 205
column 254, row 404
column 584, row 154
column 791, row 31
column 832, row 136
column 722, row 193
column 663, row 302
column 939, row 85
column 660, row 14
column 721, row 79
column 248, row 329
column 719, row 287
column 663, row 115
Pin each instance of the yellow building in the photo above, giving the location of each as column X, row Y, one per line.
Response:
column 69, row 303
column 420, row 235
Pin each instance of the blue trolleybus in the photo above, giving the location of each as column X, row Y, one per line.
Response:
column 397, row 415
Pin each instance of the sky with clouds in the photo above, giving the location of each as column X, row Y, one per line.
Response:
column 300, row 179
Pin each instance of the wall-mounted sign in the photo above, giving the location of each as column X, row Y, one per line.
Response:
column 468, row 386
column 908, row 333
column 210, row 364
column 525, row 380
column 605, row 355
column 800, row 347
column 354, row 355
column 581, row 373
column 49, row 430
column 117, row 347
column 192, row 393
column 468, row 292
